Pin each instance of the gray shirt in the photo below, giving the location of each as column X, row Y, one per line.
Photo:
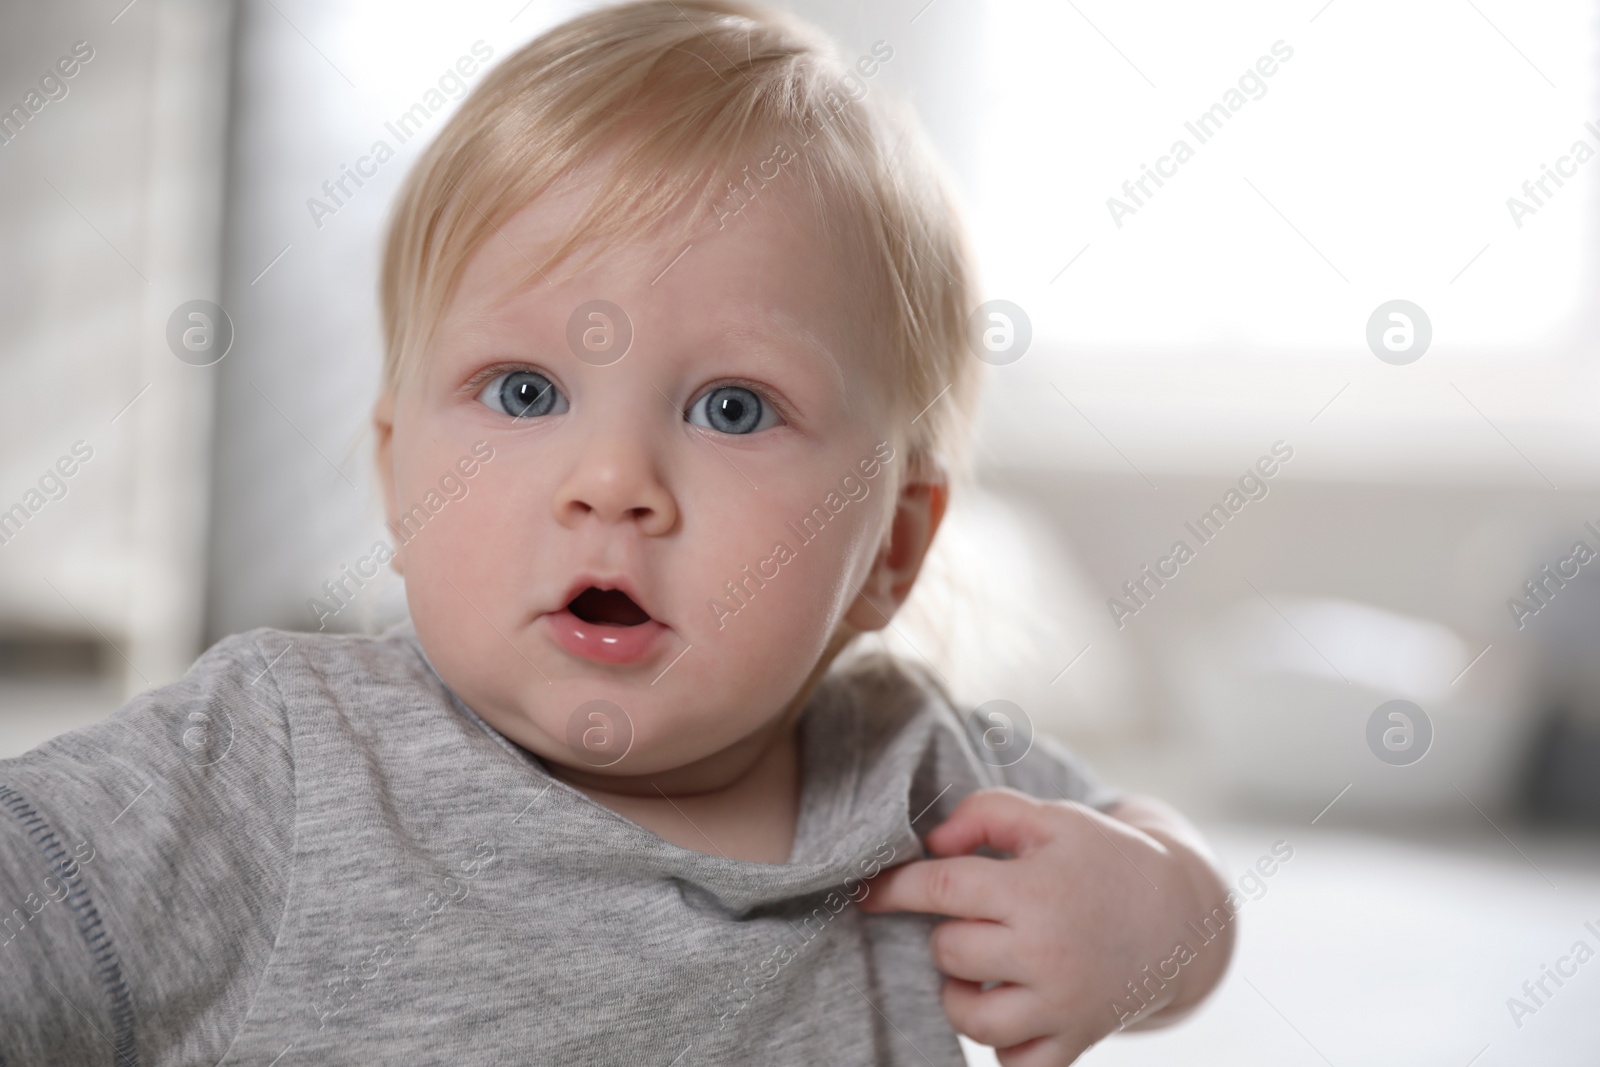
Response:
column 309, row 851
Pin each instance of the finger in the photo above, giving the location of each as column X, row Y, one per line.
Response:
column 1005, row 1016
column 1052, row 1051
column 976, row 951
column 967, row 887
column 1003, row 819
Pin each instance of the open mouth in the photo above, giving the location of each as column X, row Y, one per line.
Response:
column 607, row 607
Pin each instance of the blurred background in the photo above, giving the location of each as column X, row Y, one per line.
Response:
column 1429, row 532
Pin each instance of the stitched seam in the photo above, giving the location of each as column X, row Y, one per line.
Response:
column 108, row 965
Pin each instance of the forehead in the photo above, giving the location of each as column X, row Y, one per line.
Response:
column 781, row 266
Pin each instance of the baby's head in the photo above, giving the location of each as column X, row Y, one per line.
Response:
column 703, row 307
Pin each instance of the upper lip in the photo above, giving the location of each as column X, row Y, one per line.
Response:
column 617, row 582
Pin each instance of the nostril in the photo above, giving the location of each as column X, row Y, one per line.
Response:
column 608, row 607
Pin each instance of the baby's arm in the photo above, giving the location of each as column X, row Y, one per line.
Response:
column 1109, row 914
column 143, row 870
column 1208, row 928
column 1050, row 771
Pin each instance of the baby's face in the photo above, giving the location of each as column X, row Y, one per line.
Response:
column 741, row 439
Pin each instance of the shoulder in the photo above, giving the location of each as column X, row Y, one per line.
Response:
column 994, row 743
column 188, row 792
column 239, row 698
column 270, row 669
column 283, row 656
column 888, row 690
column 893, row 693
column 894, row 712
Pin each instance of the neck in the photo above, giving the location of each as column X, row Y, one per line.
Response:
column 740, row 803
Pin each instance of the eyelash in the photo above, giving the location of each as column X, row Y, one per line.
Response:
column 475, row 384
column 764, row 392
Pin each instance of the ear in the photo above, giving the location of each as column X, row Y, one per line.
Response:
column 383, row 442
column 918, row 510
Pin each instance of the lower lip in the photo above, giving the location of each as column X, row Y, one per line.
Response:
column 602, row 643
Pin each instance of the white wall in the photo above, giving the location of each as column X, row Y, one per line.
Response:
column 110, row 197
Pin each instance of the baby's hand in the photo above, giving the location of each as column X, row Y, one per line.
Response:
column 1084, row 905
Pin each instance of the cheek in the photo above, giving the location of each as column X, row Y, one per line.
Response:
column 461, row 556
column 486, row 542
column 770, row 587
column 472, row 577
column 756, row 647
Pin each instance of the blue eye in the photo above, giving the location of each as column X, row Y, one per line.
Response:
column 523, row 394
column 732, row 409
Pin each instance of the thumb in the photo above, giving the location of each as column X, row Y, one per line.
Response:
column 1003, row 819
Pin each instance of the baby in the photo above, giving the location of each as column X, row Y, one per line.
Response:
column 688, row 311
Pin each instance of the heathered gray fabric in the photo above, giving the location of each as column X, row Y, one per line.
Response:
column 308, row 851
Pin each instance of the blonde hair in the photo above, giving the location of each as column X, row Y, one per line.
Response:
column 689, row 90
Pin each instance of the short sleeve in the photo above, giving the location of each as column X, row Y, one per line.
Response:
column 144, row 867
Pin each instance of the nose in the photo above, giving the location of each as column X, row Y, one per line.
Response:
column 616, row 480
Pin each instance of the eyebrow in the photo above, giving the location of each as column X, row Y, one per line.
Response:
column 767, row 320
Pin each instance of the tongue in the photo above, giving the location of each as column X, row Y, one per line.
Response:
column 608, row 607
